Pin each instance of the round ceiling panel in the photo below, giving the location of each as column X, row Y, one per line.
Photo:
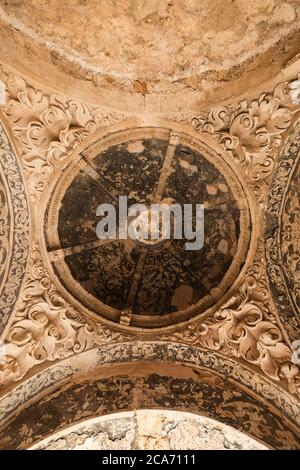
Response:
column 182, row 268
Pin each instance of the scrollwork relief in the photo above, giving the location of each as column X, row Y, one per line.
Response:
column 252, row 131
column 4, row 230
column 48, row 126
column 47, row 328
column 95, row 398
column 282, row 242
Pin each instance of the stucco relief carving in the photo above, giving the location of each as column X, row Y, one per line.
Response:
column 252, row 131
column 282, row 234
column 94, row 398
column 47, row 126
column 45, row 327
column 4, row 230
column 14, row 229
column 245, row 328
column 107, row 356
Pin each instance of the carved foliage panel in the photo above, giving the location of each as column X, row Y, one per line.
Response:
column 47, row 126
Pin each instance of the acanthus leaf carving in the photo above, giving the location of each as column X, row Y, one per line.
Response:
column 251, row 131
column 47, row 127
column 46, row 327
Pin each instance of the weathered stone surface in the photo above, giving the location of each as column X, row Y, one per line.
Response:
column 223, row 78
column 150, row 430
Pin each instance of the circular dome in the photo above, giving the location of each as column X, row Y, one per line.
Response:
column 170, row 276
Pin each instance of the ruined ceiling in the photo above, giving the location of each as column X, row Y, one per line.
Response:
column 162, row 102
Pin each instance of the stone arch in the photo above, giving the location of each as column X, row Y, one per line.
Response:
column 128, row 376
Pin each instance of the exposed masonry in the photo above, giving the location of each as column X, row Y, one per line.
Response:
column 150, row 429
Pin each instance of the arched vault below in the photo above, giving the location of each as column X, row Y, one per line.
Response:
column 124, row 383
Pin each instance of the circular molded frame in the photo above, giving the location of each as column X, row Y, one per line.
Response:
column 137, row 130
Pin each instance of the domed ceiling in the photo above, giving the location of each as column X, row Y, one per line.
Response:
column 160, row 280
column 160, row 101
column 14, row 229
